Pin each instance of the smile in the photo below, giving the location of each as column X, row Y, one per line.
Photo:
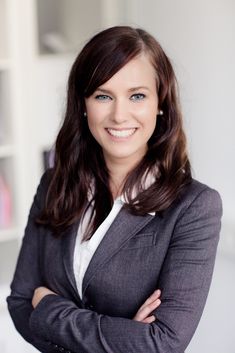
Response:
column 121, row 133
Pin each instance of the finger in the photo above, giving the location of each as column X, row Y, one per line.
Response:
column 149, row 319
column 153, row 296
column 151, row 306
column 156, row 294
column 145, row 311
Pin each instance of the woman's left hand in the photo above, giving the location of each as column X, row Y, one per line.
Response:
column 39, row 293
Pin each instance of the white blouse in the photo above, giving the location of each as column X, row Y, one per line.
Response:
column 83, row 252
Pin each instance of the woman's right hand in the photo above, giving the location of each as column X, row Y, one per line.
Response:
column 149, row 305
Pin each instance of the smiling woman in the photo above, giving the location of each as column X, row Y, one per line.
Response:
column 119, row 249
column 122, row 114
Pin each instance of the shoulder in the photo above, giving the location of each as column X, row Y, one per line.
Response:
column 45, row 180
column 196, row 199
column 196, row 189
column 46, row 177
column 43, row 185
column 199, row 200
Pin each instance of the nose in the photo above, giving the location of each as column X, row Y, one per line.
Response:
column 119, row 112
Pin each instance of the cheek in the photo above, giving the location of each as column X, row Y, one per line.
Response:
column 96, row 115
column 150, row 127
column 94, row 121
column 93, row 117
column 93, row 127
column 147, row 115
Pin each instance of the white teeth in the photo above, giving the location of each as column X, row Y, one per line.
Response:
column 121, row 133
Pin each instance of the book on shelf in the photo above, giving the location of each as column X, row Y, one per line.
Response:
column 5, row 204
column 48, row 158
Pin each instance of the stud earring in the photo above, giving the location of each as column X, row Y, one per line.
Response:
column 160, row 112
column 85, row 114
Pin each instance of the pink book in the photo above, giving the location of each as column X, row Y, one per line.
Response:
column 5, row 204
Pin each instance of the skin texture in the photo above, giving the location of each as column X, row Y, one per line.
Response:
column 128, row 100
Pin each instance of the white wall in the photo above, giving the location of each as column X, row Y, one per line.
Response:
column 215, row 333
column 199, row 38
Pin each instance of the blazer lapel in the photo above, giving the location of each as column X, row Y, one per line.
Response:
column 122, row 229
column 68, row 244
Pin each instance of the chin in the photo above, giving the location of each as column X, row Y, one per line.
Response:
column 125, row 155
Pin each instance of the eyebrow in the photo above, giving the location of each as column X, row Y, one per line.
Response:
column 132, row 89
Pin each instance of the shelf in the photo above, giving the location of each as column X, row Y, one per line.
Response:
column 8, row 187
column 5, row 64
column 3, row 29
column 9, row 234
column 62, row 28
column 63, row 57
column 7, row 151
column 5, row 107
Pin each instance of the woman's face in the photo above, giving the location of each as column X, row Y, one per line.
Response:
column 122, row 112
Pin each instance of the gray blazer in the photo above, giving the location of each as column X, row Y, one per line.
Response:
column 174, row 251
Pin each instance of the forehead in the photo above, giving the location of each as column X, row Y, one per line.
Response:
column 137, row 72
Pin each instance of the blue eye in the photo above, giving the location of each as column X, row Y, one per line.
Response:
column 138, row 96
column 102, row 97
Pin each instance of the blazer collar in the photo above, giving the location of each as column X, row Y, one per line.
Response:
column 123, row 200
column 121, row 230
column 124, row 227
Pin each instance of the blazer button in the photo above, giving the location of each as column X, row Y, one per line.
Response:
column 89, row 306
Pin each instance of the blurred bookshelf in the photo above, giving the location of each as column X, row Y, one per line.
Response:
column 9, row 234
column 6, row 146
column 62, row 26
column 39, row 40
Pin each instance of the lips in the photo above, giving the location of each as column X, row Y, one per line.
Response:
column 121, row 133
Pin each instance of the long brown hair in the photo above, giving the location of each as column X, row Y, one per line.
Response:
column 79, row 158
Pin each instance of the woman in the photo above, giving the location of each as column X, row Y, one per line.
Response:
column 119, row 215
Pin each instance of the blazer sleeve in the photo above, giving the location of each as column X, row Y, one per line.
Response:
column 185, row 280
column 27, row 276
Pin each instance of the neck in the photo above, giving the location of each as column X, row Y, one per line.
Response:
column 118, row 175
column 118, row 171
